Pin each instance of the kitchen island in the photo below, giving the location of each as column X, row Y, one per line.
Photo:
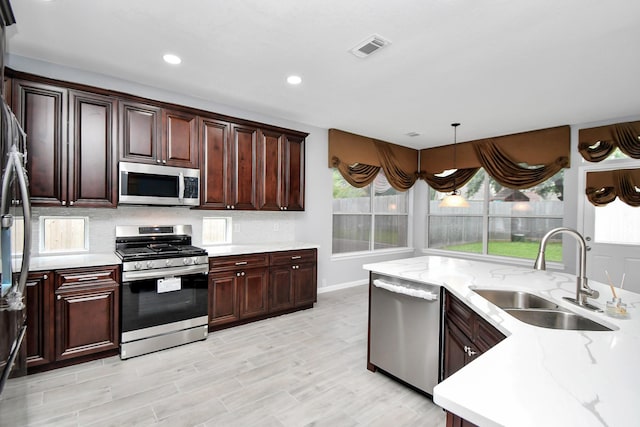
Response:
column 536, row 376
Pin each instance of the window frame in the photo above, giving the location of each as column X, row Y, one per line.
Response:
column 371, row 214
column 228, row 231
column 486, row 217
column 42, row 240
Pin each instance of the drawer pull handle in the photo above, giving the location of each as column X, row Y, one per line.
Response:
column 86, row 279
column 296, row 257
column 241, row 263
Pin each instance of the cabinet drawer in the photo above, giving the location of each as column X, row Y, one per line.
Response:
column 87, row 276
column 293, row 257
column 238, row 261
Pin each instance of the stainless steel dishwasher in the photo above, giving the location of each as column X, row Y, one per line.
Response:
column 404, row 330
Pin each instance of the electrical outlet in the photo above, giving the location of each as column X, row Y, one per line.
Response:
column 276, row 226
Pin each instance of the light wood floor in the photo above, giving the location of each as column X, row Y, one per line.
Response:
column 303, row 369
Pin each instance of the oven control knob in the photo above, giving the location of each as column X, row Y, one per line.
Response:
column 185, row 261
column 137, row 265
column 168, row 262
column 149, row 264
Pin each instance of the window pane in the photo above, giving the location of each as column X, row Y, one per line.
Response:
column 351, row 233
column 617, row 223
column 542, row 200
column 456, row 233
column 63, row 234
column 216, row 230
column 387, row 199
column 349, row 199
column 519, row 237
column 390, row 231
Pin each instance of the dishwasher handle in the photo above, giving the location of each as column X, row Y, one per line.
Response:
column 399, row 289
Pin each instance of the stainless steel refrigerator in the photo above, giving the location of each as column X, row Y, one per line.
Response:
column 15, row 236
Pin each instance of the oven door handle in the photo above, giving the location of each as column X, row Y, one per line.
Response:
column 129, row 276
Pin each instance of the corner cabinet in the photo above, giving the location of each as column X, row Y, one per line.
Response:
column 71, row 145
column 466, row 336
column 244, row 288
column 293, row 279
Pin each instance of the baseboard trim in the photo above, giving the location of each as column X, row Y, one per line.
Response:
column 342, row 286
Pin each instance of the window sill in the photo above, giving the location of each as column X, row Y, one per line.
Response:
column 369, row 254
column 516, row 262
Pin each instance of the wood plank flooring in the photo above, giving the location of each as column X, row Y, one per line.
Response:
column 302, row 369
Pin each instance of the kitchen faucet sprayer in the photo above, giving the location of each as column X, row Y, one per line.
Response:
column 582, row 286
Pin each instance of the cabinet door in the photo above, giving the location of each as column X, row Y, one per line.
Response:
column 86, row 312
column 304, row 284
column 294, row 174
column 215, row 177
column 271, row 168
column 139, row 135
column 281, row 289
column 93, row 159
column 179, row 139
column 223, row 298
column 42, row 111
column 40, row 319
column 455, row 353
column 243, row 167
column 253, row 292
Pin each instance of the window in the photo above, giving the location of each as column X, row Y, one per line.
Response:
column 371, row 218
column 216, row 230
column 499, row 221
column 64, row 234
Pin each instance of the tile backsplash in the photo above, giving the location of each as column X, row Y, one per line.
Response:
column 248, row 227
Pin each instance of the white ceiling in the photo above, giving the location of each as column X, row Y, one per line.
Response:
column 496, row 66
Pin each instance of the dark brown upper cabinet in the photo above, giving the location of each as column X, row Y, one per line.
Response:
column 215, row 146
column 281, row 168
column 150, row 134
column 243, row 166
column 70, row 141
column 179, row 139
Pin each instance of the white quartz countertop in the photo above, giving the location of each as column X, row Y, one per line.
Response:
column 55, row 262
column 536, row 376
column 223, row 250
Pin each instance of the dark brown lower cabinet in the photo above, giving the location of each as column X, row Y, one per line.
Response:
column 72, row 316
column 40, row 319
column 244, row 288
column 466, row 336
column 87, row 311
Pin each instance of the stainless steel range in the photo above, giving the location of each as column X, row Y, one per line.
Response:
column 164, row 288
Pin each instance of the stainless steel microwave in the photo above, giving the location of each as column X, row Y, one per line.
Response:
column 143, row 184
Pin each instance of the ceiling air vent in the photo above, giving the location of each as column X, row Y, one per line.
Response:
column 369, row 46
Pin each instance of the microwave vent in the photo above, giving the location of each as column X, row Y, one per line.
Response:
column 369, row 46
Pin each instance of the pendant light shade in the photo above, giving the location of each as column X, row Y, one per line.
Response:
column 454, row 200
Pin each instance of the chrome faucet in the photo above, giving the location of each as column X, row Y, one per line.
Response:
column 583, row 291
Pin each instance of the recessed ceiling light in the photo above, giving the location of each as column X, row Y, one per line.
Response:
column 172, row 59
column 294, row 80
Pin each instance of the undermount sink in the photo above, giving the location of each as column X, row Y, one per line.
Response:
column 557, row 319
column 515, row 299
column 538, row 311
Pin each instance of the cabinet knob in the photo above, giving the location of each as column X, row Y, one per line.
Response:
column 45, row 277
column 469, row 351
column 59, row 297
column 64, row 203
column 164, row 161
column 71, row 203
column 158, row 161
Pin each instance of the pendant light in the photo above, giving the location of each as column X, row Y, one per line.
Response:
column 454, row 200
